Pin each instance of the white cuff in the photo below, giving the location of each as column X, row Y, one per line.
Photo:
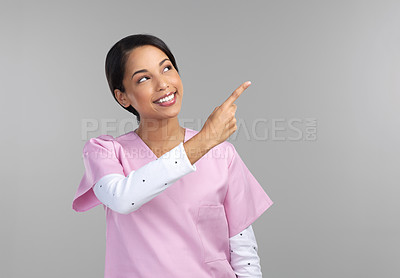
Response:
column 178, row 157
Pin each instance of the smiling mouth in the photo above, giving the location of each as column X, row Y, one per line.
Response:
column 164, row 98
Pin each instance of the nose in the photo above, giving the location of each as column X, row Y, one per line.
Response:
column 162, row 84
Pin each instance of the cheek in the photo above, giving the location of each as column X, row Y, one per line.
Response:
column 142, row 100
column 177, row 81
column 138, row 100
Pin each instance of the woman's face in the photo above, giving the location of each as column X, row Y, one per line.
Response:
column 149, row 75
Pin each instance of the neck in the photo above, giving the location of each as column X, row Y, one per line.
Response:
column 161, row 133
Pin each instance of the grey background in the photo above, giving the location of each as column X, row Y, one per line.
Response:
column 336, row 198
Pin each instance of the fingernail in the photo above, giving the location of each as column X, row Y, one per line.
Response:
column 248, row 82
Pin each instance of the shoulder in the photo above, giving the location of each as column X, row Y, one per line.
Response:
column 106, row 140
column 224, row 150
column 101, row 143
column 228, row 150
column 127, row 136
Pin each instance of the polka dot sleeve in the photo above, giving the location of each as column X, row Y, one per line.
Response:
column 245, row 261
column 127, row 194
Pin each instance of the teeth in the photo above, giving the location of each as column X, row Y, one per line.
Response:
column 168, row 98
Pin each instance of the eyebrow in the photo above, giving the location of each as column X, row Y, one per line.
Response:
column 145, row 70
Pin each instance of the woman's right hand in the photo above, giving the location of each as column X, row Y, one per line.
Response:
column 222, row 122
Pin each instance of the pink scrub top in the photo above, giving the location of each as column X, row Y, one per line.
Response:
column 184, row 231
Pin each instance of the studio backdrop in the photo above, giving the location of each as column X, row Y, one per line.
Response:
column 318, row 127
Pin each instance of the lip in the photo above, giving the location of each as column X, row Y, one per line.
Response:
column 163, row 96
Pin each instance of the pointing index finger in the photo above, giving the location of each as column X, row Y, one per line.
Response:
column 234, row 96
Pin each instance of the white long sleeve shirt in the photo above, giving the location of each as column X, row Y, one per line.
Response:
column 127, row 194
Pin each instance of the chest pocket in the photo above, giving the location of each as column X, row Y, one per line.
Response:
column 212, row 227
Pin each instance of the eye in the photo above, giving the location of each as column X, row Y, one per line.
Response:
column 170, row 67
column 141, row 79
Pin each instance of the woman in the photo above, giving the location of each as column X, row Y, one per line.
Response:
column 166, row 216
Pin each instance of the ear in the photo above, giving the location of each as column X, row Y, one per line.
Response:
column 121, row 98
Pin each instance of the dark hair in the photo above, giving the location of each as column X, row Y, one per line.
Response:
column 118, row 55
